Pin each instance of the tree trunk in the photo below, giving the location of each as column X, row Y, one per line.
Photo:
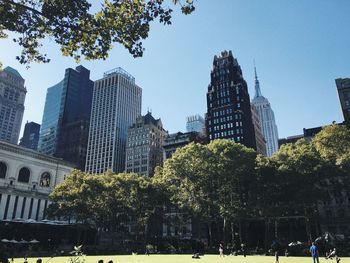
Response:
column 232, row 233
column 308, row 229
column 276, row 228
column 307, row 225
column 209, row 234
column 240, row 231
column 146, row 233
column 267, row 231
column 224, row 231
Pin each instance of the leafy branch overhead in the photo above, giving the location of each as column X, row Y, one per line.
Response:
column 79, row 32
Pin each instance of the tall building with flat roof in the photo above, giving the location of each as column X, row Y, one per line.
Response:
column 12, row 96
column 74, row 118
column 49, row 125
column 144, row 149
column 195, row 123
column 267, row 119
column 343, row 87
column 229, row 113
column 66, row 119
column 30, row 137
column 116, row 104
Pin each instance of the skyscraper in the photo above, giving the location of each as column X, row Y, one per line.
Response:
column 66, row 118
column 49, row 125
column 74, row 118
column 229, row 112
column 115, row 106
column 12, row 96
column 343, row 87
column 267, row 119
column 30, row 137
column 259, row 137
column 195, row 123
column 144, row 149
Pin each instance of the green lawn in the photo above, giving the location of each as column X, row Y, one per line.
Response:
column 185, row 259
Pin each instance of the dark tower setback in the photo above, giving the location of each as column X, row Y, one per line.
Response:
column 74, row 116
column 229, row 113
column 30, row 136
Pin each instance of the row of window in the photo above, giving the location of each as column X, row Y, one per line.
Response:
column 24, row 175
column 224, row 135
column 225, row 126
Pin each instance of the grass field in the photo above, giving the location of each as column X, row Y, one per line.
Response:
column 185, row 259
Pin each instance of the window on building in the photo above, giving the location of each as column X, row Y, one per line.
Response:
column 45, row 179
column 24, row 175
column 3, row 170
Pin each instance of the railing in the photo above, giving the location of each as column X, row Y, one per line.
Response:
column 120, row 71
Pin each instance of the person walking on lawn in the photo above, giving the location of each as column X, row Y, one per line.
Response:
column 314, row 253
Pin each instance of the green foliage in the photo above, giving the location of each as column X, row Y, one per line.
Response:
column 333, row 144
column 79, row 32
column 212, row 182
column 106, row 200
column 78, row 196
column 301, row 168
column 219, row 182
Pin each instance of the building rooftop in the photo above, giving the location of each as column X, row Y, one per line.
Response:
column 119, row 71
column 13, row 71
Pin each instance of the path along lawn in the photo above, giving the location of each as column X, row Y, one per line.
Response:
column 185, row 259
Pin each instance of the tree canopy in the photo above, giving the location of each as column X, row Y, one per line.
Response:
column 107, row 200
column 80, row 32
column 333, row 144
column 219, row 184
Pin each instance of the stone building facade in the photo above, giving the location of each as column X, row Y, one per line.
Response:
column 12, row 96
column 144, row 146
column 26, row 180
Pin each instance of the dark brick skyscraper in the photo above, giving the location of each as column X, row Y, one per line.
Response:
column 229, row 113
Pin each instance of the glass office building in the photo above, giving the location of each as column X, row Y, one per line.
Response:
column 49, row 125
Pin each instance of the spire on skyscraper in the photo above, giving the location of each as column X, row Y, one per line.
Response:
column 257, row 85
column 267, row 118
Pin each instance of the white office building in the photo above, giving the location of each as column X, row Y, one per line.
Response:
column 116, row 104
column 267, row 119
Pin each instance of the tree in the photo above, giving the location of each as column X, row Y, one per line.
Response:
column 300, row 166
column 188, row 178
column 133, row 196
column 79, row 32
column 234, row 171
column 333, row 144
column 210, row 181
column 78, row 197
column 108, row 201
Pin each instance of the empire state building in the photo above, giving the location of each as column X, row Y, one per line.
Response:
column 267, row 119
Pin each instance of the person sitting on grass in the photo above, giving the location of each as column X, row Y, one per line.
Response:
column 196, row 256
column 332, row 254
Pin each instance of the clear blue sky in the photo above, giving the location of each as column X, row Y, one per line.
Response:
column 300, row 47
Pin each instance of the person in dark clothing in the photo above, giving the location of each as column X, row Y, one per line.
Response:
column 276, row 256
column 243, row 250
